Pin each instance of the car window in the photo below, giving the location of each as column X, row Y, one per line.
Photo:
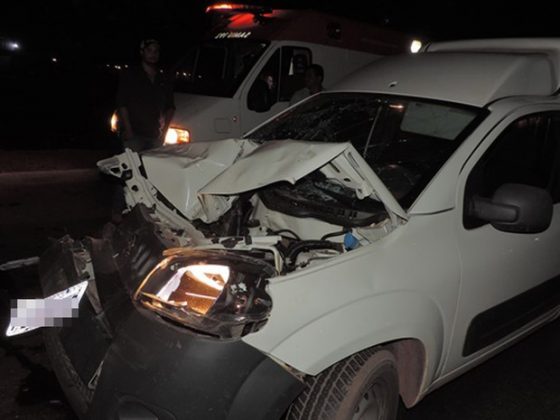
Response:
column 525, row 153
column 404, row 141
column 435, row 120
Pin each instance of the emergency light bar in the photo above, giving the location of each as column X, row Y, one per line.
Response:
column 235, row 7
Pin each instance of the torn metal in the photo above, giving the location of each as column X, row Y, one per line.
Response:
column 249, row 197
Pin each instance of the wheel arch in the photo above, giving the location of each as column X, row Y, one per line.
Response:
column 408, row 324
column 410, row 355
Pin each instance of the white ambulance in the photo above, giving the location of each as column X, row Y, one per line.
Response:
column 213, row 81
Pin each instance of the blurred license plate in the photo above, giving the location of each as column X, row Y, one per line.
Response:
column 53, row 311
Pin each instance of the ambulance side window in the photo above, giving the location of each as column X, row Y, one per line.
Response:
column 264, row 91
column 292, row 74
column 283, row 74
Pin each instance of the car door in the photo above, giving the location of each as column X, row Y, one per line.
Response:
column 509, row 281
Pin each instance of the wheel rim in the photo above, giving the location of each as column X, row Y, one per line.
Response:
column 373, row 404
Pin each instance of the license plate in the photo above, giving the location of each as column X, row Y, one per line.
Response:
column 53, row 311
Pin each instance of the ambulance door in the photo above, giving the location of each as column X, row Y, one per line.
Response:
column 271, row 90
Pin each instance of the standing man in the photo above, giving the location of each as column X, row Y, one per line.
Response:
column 145, row 101
column 314, row 75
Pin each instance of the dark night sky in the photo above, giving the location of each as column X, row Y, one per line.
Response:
column 111, row 29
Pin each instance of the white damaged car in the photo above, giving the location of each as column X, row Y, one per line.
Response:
column 369, row 244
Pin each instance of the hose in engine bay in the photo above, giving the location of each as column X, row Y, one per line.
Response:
column 304, row 246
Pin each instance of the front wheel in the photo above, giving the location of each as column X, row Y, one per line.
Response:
column 363, row 386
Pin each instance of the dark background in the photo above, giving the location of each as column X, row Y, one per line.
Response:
column 47, row 105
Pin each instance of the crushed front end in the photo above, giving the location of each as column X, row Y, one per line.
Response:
column 174, row 288
column 122, row 360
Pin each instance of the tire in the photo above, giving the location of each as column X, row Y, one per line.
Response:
column 362, row 386
column 78, row 394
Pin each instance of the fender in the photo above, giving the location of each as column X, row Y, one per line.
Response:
column 374, row 320
column 371, row 296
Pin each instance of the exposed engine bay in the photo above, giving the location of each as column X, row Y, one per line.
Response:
column 209, row 226
column 291, row 204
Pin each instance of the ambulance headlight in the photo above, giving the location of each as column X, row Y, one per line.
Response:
column 176, row 135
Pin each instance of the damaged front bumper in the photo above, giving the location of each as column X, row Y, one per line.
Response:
column 118, row 360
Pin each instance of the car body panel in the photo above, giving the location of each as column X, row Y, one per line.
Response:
column 489, row 76
column 528, row 46
column 179, row 172
column 148, row 365
column 513, row 257
column 388, row 297
column 202, row 180
column 290, row 160
column 137, row 363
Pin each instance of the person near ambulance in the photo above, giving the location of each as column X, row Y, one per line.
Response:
column 314, row 75
column 261, row 95
column 145, row 101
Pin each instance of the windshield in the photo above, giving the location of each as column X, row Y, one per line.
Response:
column 405, row 141
column 217, row 68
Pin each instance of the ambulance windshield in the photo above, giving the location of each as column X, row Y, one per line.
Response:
column 217, row 67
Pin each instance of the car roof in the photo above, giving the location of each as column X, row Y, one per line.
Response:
column 474, row 73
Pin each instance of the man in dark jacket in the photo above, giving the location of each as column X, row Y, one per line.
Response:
column 145, row 101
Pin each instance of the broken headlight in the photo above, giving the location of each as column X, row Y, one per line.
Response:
column 215, row 292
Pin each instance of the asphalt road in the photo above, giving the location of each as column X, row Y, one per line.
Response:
column 521, row 383
column 36, row 206
column 40, row 198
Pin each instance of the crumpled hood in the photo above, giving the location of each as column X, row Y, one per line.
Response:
column 291, row 160
column 201, row 180
column 179, row 172
column 271, row 162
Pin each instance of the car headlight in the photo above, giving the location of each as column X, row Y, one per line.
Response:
column 177, row 136
column 215, row 292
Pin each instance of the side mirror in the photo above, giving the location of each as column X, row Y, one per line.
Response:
column 515, row 208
